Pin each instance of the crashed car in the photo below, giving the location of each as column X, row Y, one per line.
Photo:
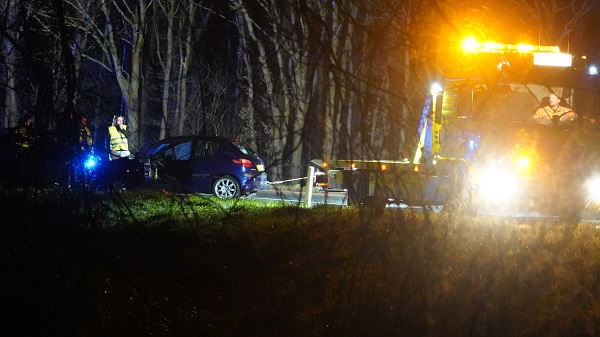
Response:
column 220, row 166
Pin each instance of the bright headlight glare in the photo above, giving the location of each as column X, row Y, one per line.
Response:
column 436, row 89
column 497, row 185
column 523, row 163
column 593, row 187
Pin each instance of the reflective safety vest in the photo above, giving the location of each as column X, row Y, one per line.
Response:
column 118, row 141
column 23, row 137
column 85, row 137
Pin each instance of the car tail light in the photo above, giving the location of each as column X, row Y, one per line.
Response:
column 244, row 162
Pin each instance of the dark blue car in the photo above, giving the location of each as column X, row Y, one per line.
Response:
column 204, row 164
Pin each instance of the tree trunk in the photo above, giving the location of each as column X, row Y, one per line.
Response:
column 185, row 58
column 244, row 72
column 129, row 83
column 10, row 59
column 166, row 62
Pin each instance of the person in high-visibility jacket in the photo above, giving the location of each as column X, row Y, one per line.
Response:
column 22, row 134
column 119, row 147
column 86, row 142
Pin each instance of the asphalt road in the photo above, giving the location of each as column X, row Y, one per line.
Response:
column 341, row 199
column 295, row 197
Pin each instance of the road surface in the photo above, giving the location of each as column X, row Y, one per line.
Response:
column 341, row 199
column 295, row 197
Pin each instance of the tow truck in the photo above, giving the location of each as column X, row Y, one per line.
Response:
column 478, row 146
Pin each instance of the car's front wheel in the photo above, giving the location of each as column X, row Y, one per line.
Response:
column 226, row 187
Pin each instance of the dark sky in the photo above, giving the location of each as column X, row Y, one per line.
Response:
column 509, row 22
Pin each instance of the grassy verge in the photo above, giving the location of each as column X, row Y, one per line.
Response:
column 157, row 264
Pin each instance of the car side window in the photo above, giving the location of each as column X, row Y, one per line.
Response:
column 205, row 148
column 211, row 148
column 200, row 148
column 180, row 151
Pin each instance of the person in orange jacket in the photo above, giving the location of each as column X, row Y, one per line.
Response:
column 555, row 110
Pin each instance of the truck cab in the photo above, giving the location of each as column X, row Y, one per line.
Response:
column 514, row 162
column 478, row 145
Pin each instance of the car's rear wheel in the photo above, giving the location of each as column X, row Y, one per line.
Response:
column 226, row 187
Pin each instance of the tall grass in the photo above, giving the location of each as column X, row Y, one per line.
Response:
column 167, row 265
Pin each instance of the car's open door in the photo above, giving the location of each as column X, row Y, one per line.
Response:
column 177, row 161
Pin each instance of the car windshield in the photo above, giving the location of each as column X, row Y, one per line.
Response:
column 158, row 148
column 517, row 102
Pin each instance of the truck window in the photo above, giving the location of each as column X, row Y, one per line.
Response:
column 586, row 103
column 463, row 102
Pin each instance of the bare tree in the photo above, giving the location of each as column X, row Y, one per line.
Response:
column 210, row 104
column 176, row 58
column 244, row 92
column 273, row 86
column 187, row 27
column 165, row 55
column 324, row 79
column 556, row 20
column 246, row 31
column 9, row 54
column 118, row 28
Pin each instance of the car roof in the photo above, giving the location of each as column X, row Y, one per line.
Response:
column 184, row 138
column 194, row 137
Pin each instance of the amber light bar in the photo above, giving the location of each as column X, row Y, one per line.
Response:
column 474, row 46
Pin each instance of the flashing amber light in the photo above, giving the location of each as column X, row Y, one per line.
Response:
column 493, row 46
column 470, row 44
column 325, row 164
column 523, row 163
column 416, row 169
column 383, row 167
column 353, row 166
column 473, row 46
column 525, row 47
column 549, row 49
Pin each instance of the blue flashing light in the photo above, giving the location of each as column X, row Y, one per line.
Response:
column 90, row 162
column 472, row 145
